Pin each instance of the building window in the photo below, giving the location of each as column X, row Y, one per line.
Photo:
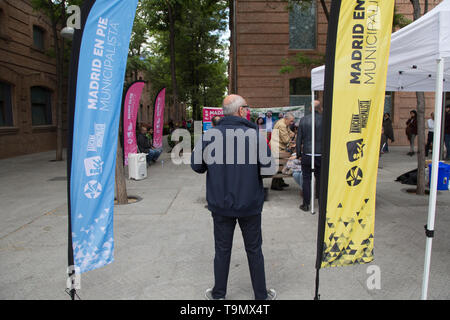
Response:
column 38, row 38
column 303, row 26
column 6, row 117
column 41, row 107
column 300, row 92
column 388, row 103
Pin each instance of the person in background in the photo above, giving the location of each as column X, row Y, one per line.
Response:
column 269, row 124
column 171, row 126
column 411, row 131
column 304, row 150
column 145, row 146
column 282, row 143
column 260, row 123
column 215, row 120
column 294, row 167
column 234, row 192
column 447, row 131
column 388, row 131
column 149, row 133
column 382, row 147
column 430, row 125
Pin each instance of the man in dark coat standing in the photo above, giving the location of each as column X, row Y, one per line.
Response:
column 304, row 150
column 234, row 156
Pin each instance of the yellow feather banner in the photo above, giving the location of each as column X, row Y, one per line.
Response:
column 355, row 81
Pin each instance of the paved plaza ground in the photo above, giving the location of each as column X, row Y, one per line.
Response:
column 164, row 243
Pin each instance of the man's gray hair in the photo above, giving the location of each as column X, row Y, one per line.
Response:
column 289, row 115
column 233, row 107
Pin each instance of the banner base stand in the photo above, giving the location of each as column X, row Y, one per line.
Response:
column 72, row 293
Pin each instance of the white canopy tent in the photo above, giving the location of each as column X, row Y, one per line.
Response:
column 419, row 60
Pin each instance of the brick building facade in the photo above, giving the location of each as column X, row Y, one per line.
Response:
column 27, row 81
column 267, row 34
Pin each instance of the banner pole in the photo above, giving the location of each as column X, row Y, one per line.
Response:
column 71, row 98
column 313, row 150
column 317, row 295
column 429, row 228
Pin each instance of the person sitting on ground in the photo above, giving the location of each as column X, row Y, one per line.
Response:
column 294, row 167
column 145, row 146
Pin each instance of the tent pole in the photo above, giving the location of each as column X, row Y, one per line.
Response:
column 313, row 139
column 434, row 174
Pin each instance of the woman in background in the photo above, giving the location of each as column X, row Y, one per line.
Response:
column 388, row 131
column 411, row 131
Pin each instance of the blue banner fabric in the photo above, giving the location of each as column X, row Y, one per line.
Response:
column 101, row 70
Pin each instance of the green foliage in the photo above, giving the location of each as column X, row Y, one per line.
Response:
column 201, row 64
column 54, row 9
column 399, row 20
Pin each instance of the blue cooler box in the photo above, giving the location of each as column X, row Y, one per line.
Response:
column 443, row 176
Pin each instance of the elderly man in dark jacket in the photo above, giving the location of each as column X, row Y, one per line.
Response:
column 304, row 150
column 234, row 155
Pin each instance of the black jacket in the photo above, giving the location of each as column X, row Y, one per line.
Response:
column 303, row 145
column 388, row 130
column 143, row 143
column 233, row 188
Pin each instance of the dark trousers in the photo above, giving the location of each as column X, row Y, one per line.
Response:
column 447, row 145
column 386, row 147
column 429, row 143
column 307, row 174
column 223, row 238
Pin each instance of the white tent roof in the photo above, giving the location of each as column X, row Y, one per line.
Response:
column 413, row 53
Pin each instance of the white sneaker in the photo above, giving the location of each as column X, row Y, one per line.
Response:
column 271, row 294
column 209, row 296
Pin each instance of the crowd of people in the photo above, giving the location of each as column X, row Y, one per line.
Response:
column 294, row 143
